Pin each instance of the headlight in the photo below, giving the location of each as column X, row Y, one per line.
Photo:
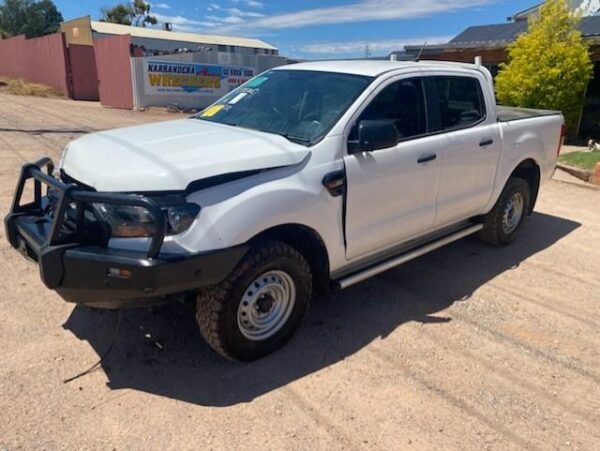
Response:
column 180, row 217
column 127, row 221
column 136, row 222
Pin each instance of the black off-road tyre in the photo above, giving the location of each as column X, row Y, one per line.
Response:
column 217, row 306
column 493, row 231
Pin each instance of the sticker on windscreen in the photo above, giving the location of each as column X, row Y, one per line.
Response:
column 211, row 111
column 237, row 98
column 256, row 82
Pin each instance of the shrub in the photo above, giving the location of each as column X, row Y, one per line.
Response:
column 549, row 66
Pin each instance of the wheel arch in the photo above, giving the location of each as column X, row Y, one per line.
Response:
column 309, row 243
column 529, row 170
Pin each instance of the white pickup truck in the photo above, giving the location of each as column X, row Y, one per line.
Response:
column 307, row 177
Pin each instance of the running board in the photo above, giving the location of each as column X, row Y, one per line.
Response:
column 403, row 258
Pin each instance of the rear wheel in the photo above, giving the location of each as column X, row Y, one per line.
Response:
column 259, row 306
column 502, row 225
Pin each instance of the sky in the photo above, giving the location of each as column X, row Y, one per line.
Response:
column 318, row 29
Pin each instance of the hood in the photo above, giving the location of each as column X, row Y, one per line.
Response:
column 168, row 156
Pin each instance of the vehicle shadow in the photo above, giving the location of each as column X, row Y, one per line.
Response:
column 162, row 352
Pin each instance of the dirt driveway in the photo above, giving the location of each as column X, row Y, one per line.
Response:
column 467, row 348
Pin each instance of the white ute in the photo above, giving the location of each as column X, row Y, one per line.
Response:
column 306, row 177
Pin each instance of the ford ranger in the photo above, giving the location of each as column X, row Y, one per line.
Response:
column 307, row 177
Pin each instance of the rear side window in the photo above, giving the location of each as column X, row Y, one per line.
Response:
column 460, row 101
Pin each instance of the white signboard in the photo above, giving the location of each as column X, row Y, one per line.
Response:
column 193, row 79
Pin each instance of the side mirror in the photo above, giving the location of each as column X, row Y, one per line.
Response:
column 373, row 135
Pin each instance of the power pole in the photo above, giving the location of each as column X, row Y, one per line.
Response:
column 367, row 51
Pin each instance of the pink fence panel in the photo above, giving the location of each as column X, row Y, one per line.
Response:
column 113, row 62
column 84, row 75
column 40, row 60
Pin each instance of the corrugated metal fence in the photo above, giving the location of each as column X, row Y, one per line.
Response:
column 114, row 71
column 83, row 72
column 41, row 60
column 101, row 71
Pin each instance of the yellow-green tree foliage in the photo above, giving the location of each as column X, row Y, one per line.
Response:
column 548, row 66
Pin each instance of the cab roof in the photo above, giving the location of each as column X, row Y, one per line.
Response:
column 374, row 68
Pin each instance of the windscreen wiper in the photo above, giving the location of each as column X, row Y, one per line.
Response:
column 290, row 137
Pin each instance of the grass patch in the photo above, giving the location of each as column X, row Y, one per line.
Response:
column 582, row 160
column 20, row 87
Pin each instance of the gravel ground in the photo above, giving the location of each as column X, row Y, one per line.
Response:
column 467, row 348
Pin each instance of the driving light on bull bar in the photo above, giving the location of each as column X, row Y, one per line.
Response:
column 181, row 217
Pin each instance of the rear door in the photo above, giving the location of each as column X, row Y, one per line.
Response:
column 471, row 144
column 392, row 192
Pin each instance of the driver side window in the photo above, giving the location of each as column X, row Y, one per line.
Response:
column 403, row 103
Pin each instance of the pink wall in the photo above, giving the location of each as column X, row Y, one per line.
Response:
column 114, row 71
column 41, row 60
column 84, row 75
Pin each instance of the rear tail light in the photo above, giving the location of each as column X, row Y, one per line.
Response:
column 561, row 140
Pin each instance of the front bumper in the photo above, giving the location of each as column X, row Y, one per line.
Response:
column 85, row 272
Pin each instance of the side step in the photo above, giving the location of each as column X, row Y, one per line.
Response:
column 403, row 258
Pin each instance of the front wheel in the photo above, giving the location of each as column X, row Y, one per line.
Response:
column 259, row 306
column 502, row 225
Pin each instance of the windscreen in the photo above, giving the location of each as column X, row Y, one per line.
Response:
column 300, row 105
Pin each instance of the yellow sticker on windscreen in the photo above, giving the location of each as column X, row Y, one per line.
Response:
column 209, row 112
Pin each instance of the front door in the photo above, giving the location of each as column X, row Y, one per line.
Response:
column 391, row 192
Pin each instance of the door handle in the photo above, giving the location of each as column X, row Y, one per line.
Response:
column 486, row 142
column 427, row 158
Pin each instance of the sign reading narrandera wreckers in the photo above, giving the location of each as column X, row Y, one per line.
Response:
column 197, row 79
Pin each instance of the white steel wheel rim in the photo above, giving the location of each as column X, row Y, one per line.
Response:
column 266, row 305
column 513, row 212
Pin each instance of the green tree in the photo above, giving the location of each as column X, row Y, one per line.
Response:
column 120, row 14
column 136, row 13
column 43, row 18
column 142, row 13
column 548, row 66
column 13, row 16
column 28, row 17
column 3, row 34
